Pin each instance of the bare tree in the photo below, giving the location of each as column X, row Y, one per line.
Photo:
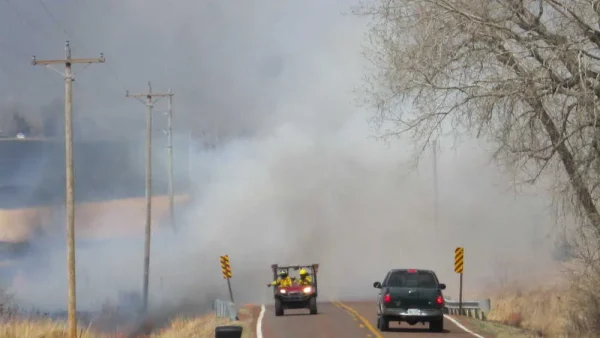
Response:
column 14, row 120
column 524, row 74
column 21, row 124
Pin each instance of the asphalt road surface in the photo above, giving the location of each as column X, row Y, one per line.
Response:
column 347, row 320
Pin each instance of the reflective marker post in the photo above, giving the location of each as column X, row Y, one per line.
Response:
column 226, row 270
column 459, row 257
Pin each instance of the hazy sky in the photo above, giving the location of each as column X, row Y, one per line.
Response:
column 229, row 62
column 310, row 185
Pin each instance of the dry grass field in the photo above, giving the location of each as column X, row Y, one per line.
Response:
column 102, row 220
column 99, row 220
column 566, row 305
column 538, row 310
column 201, row 327
column 205, row 326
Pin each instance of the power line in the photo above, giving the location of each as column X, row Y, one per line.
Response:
column 11, row 52
column 23, row 18
column 36, row 27
column 62, row 28
column 54, row 20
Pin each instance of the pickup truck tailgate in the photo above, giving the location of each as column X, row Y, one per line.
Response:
column 407, row 297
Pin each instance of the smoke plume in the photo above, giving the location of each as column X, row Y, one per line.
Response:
column 306, row 184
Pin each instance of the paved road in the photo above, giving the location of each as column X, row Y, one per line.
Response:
column 330, row 322
column 348, row 320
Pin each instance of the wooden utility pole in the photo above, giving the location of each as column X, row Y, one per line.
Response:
column 149, row 102
column 170, row 160
column 69, row 175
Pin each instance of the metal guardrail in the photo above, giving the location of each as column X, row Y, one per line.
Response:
column 225, row 309
column 478, row 309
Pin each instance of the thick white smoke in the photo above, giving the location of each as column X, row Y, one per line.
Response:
column 309, row 185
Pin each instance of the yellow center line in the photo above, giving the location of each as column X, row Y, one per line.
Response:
column 362, row 319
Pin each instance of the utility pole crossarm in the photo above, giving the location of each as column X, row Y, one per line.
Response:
column 36, row 62
column 149, row 98
column 67, row 60
column 148, row 94
column 137, row 96
column 145, row 95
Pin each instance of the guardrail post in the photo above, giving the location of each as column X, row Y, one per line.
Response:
column 218, row 307
column 473, row 309
column 232, row 311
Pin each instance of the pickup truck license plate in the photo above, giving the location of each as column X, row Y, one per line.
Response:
column 414, row 312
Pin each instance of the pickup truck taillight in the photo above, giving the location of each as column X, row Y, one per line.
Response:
column 439, row 300
column 387, row 298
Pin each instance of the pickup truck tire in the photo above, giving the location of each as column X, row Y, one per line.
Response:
column 436, row 325
column 278, row 307
column 383, row 324
column 312, row 305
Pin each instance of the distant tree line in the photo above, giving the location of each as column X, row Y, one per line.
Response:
column 44, row 122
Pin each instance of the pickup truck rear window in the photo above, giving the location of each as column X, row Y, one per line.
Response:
column 421, row 279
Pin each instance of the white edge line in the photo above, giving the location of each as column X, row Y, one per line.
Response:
column 462, row 327
column 259, row 333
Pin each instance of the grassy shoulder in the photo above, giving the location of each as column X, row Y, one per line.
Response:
column 205, row 326
column 538, row 312
column 199, row 327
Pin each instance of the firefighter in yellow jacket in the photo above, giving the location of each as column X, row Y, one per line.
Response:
column 283, row 280
column 304, row 278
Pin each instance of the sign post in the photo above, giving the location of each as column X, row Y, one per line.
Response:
column 459, row 257
column 226, row 269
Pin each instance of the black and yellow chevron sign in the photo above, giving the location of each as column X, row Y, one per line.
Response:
column 459, row 259
column 225, row 267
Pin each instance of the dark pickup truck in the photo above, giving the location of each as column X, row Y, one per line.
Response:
column 411, row 296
